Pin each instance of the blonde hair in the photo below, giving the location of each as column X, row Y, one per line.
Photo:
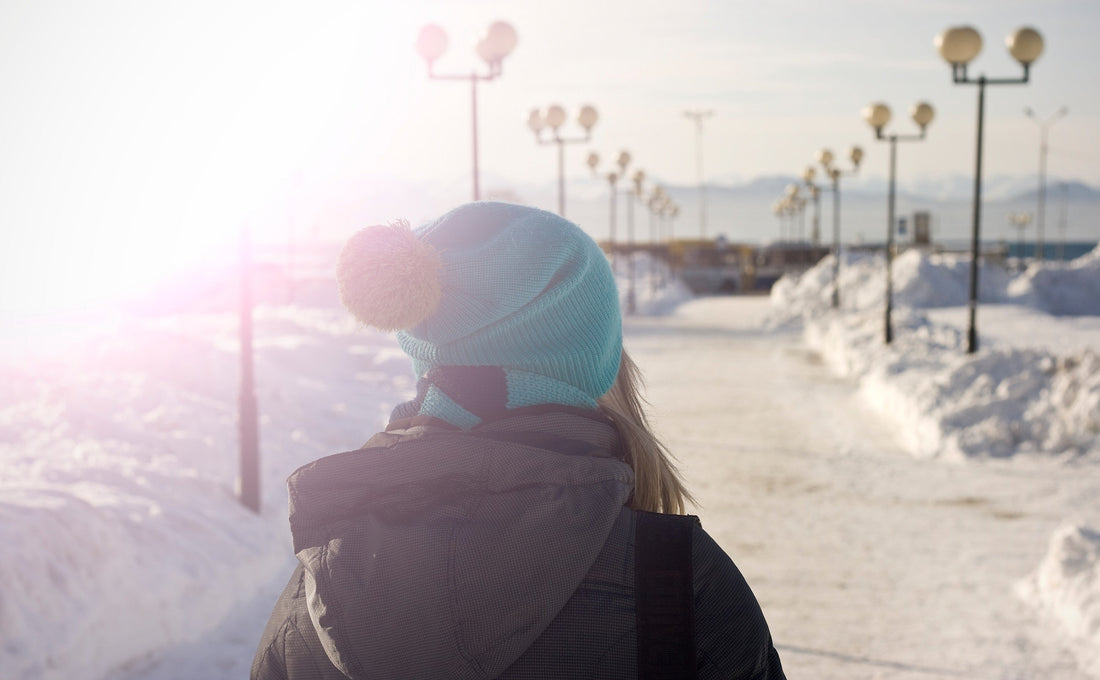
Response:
column 658, row 486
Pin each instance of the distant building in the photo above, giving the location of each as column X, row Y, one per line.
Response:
column 709, row 266
column 922, row 228
column 717, row 266
column 772, row 261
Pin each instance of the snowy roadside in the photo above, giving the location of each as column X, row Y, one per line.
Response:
column 126, row 551
column 118, row 444
column 122, row 533
column 1031, row 392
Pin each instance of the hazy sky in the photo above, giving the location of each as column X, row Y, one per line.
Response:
column 142, row 131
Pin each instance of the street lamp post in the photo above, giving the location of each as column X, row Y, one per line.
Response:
column 877, row 116
column 958, row 46
column 497, row 44
column 553, row 118
column 1062, row 224
column 670, row 210
column 1044, row 126
column 656, row 201
column 800, row 204
column 637, row 178
column 651, row 202
column 622, row 161
column 825, row 157
column 698, row 116
column 1020, row 222
column 779, row 209
column 815, row 195
column 796, row 206
column 787, row 208
column 248, row 413
column 801, row 201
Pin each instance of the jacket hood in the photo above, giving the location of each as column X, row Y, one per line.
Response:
column 434, row 552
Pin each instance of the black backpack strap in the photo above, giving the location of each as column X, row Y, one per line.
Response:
column 664, row 596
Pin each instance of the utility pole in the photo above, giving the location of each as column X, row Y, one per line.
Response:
column 1044, row 126
column 698, row 115
column 249, row 460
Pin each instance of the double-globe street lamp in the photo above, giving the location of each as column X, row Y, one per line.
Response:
column 497, row 44
column 797, row 203
column 553, row 118
column 612, row 177
column 958, row 46
column 622, row 161
column 661, row 210
column 815, row 196
column 666, row 210
column 635, row 194
column 667, row 213
column 787, row 208
column 825, row 158
column 1044, row 126
column 877, row 116
column 655, row 201
column 779, row 209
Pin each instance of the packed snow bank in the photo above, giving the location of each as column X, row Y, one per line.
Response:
column 948, row 404
column 1067, row 587
column 655, row 291
column 122, row 534
column 1016, row 395
column 928, row 280
column 1071, row 289
column 1008, row 398
column 120, row 526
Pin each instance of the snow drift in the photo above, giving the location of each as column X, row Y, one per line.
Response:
column 1013, row 397
column 1007, row 399
column 1067, row 586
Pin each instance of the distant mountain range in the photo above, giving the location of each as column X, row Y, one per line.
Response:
column 950, row 188
column 742, row 211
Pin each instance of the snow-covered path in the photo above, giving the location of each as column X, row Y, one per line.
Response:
column 868, row 563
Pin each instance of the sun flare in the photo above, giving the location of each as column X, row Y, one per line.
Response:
column 169, row 155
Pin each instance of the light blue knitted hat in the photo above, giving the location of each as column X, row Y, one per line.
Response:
column 517, row 290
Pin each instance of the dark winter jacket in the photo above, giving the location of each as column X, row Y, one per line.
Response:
column 502, row 552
